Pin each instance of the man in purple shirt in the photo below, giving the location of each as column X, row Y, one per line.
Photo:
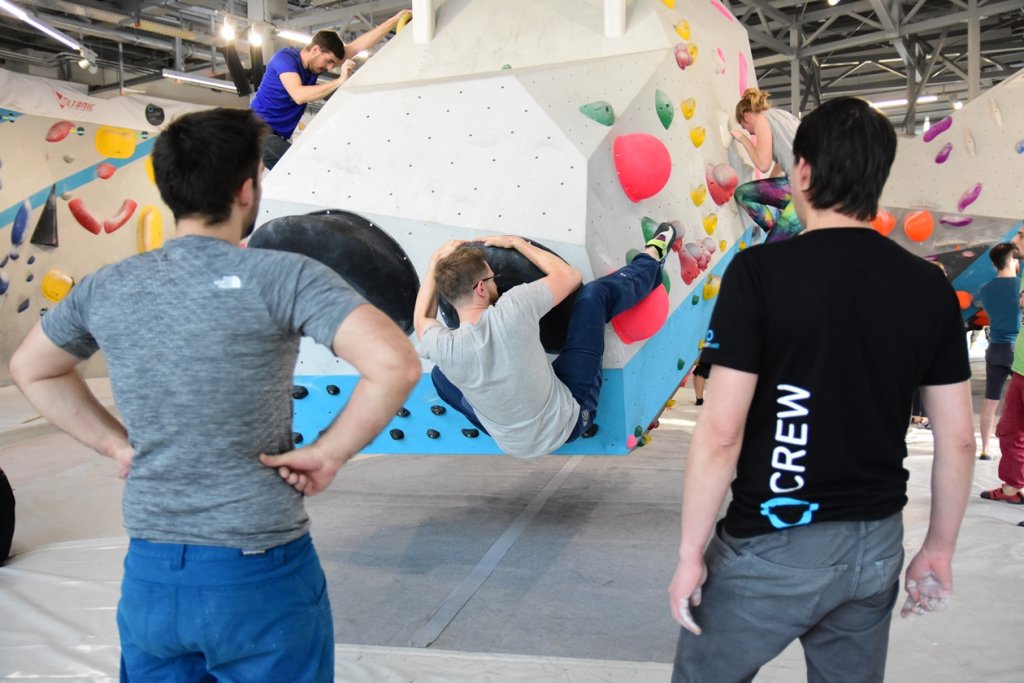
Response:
column 290, row 81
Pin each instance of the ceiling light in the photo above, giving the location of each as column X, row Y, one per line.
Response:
column 200, row 80
column 59, row 36
column 927, row 124
column 833, row 3
column 886, row 104
column 295, row 36
column 255, row 38
column 227, row 31
column 957, row 104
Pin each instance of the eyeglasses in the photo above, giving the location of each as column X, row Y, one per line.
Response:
column 485, row 279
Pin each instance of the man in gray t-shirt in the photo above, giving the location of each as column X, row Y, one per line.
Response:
column 201, row 339
column 493, row 368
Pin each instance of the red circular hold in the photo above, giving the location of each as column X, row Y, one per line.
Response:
column 643, row 164
column 105, row 170
column 643, row 320
column 883, row 222
column 919, row 225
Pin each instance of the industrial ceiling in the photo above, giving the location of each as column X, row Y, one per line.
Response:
column 918, row 58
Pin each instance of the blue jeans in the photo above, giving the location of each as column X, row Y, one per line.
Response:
column 208, row 613
column 578, row 365
column 833, row 585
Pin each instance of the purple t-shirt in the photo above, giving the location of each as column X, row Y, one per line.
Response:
column 272, row 102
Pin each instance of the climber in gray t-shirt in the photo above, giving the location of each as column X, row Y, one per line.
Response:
column 201, row 339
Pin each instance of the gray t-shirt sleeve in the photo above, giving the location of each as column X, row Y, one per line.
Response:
column 319, row 303
column 66, row 324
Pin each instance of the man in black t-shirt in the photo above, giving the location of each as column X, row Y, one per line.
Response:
column 807, row 421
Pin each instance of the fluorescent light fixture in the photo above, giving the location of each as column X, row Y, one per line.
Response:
column 200, row 80
column 833, row 3
column 288, row 34
column 227, row 31
column 887, row 104
column 255, row 37
column 927, row 124
column 957, row 104
column 59, row 36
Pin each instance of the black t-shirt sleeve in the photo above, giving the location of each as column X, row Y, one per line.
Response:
column 735, row 335
column 950, row 363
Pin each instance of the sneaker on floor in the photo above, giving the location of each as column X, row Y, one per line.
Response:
column 663, row 239
column 984, row 456
column 998, row 494
column 699, row 402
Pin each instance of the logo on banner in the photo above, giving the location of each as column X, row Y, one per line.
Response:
column 65, row 102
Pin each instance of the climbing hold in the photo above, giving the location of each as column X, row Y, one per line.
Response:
column 333, row 390
column 646, row 439
column 666, row 281
column 642, row 163
column 719, row 61
column 599, row 111
column 883, row 222
column 116, row 143
column 631, row 442
column 711, row 287
column 31, row 260
column 5, row 282
column 68, row 158
column 20, row 222
column 471, row 433
column 688, row 107
column 23, row 306
column 710, row 223
column 937, row 129
column 638, row 431
column 944, row 153
column 671, row 4
column 669, row 403
column 55, row 285
column 722, row 245
column 722, row 181
column 402, row 21
column 969, row 143
column 506, row 67
column 402, row 412
column 683, row 56
column 299, row 391
column 150, row 173
column 697, row 136
column 742, row 72
column 663, row 105
column 1020, row 147
column 689, row 269
column 396, row 434
column 59, row 131
column 84, row 216
column 433, row 434
column 695, row 300
column 683, row 29
column 649, row 226
column 644, row 319
column 105, row 171
column 918, row 225
column 150, row 233
column 437, row 409
column 965, row 299
column 698, row 194
column 128, row 207
column 297, row 438
column 997, row 115
column 631, row 254
column 45, row 233
column 955, row 221
column 968, row 197
column 680, row 364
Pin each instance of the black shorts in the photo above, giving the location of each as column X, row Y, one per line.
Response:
column 702, row 369
column 998, row 360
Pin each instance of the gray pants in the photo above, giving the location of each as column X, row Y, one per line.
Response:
column 833, row 585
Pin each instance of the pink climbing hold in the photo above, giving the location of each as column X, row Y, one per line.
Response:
column 643, row 320
column 937, row 129
column 723, row 11
column 688, row 267
column 631, row 442
column 642, row 163
column 721, row 181
column 105, row 171
column 969, row 197
column 59, row 131
column 955, row 221
column 743, row 73
column 684, row 57
column 944, row 153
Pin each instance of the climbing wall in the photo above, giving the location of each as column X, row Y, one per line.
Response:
column 524, row 118
column 75, row 194
column 954, row 191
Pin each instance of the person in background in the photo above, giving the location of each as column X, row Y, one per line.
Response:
column 1000, row 299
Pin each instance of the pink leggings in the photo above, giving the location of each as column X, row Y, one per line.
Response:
column 1010, row 431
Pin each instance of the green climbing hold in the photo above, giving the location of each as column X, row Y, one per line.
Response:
column 664, row 107
column 631, row 254
column 680, row 364
column 638, row 432
column 695, row 300
column 667, row 281
column 650, row 228
column 506, row 67
column 599, row 111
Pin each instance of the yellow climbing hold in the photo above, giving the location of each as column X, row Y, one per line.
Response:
column 150, row 230
column 56, row 285
column 688, row 107
column 710, row 289
column 150, row 173
column 669, row 403
column 683, row 29
column 743, row 245
column 722, row 245
column 116, row 143
column 692, row 49
column 671, row 4
column 697, row 136
column 698, row 194
column 710, row 223
column 647, row 438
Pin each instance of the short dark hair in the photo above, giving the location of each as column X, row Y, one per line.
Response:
column 202, row 159
column 457, row 273
column 329, row 41
column 850, row 148
column 1001, row 255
